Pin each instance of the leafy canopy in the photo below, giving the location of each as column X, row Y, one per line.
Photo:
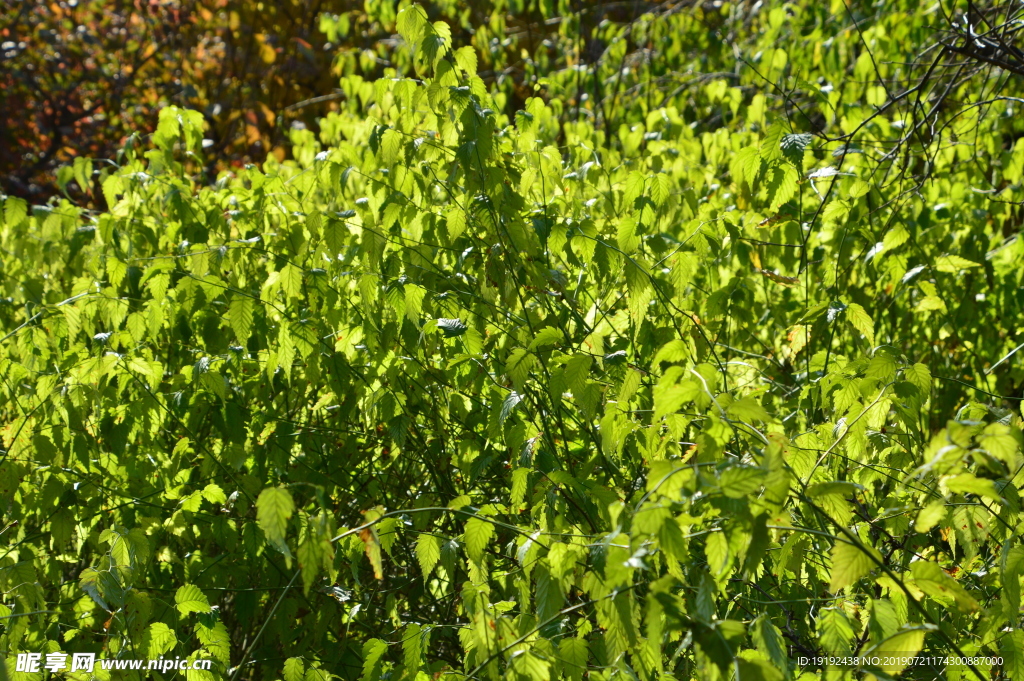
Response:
column 463, row 395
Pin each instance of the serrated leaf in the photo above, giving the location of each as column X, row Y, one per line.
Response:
column 15, row 210
column 573, row 654
column 189, row 598
column 769, row 641
column 966, row 483
column 661, row 188
column 932, row 579
column 294, row 669
column 748, row 409
column 1011, row 646
column 850, row 563
column 477, row 535
column 626, row 236
column 738, row 482
column 673, row 351
column 428, row 552
column 240, row 314
column 451, row 327
column 781, row 185
column 391, row 146
column 897, row 651
column 274, row 507
column 861, row 320
column 412, row 646
column 745, row 165
column 793, row 146
column 520, row 476
column 520, row 363
column 929, row 516
column 549, row 335
column 716, row 548
column 372, row 548
column 835, row 631
column 508, row 405
column 634, row 188
column 577, row 368
column 771, row 144
column 374, row 648
column 953, row 264
column 465, row 57
column 291, row 280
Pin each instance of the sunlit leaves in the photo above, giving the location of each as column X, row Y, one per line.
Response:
column 622, row 375
column 477, row 535
column 274, row 508
column 189, row 598
column 428, row 552
column 933, row 580
column 835, row 631
column 850, row 562
column 240, row 316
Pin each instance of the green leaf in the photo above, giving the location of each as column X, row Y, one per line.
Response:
column 577, row 368
column 412, row 646
column 451, row 327
column 745, row 165
column 897, row 651
column 1011, row 647
column 294, row 669
column 520, row 363
column 549, row 335
column 529, row 665
column 953, row 264
column 781, row 186
column 189, row 598
column 793, row 146
column 835, row 631
column 573, row 654
column 291, row 281
column 15, row 210
column 428, row 552
column 373, row 651
column 751, row 667
column 716, row 548
column 929, row 516
column 673, row 351
column 508, row 405
column 933, row 580
column 661, row 188
column 738, row 482
column 465, row 57
column 520, row 477
column 240, row 315
column 478, row 534
column 83, row 173
column 160, row 640
column 850, row 563
column 771, row 144
column 274, row 507
column 391, row 145
column 861, row 321
column 769, row 641
column 214, row 494
column 748, row 409
column 627, row 238
column 966, row 483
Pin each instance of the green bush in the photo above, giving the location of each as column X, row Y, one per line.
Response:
column 456, row 394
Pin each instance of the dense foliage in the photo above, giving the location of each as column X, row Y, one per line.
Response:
column 718, row 378
column 78, row 78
